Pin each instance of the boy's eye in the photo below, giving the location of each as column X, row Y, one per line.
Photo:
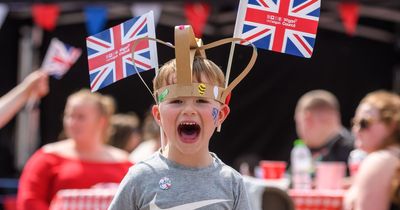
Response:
column 176, row 101
column 201, row 101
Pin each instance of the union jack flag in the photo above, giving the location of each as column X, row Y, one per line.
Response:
column 286, row 26
column 59, row 58
column 109, row 52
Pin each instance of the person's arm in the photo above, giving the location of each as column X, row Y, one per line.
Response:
column 34, row 185
column 34, row 85
column 373, row 182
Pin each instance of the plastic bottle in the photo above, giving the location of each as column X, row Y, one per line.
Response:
column 355, row 158
column 301, row 162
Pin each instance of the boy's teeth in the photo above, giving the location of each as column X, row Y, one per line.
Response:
column 188, row 123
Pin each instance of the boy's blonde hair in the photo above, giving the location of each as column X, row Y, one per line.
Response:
column 201, row 67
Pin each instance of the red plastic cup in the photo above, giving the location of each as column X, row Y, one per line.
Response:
column 273, row 169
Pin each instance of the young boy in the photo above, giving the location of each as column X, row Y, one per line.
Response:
column 184, row 174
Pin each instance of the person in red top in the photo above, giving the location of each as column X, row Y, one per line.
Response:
column 80, row 161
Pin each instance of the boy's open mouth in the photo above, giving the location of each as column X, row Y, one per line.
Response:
column 188, row 131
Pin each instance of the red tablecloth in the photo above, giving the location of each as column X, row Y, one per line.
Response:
column 83, row 199
column 317, row 199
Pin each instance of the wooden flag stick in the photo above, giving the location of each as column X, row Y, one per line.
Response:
column 228, row 71
column 229, row 66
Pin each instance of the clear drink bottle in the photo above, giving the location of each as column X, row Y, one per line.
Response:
column 301, row 162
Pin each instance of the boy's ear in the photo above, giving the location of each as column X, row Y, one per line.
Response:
column 155, row 110
column 223, row 113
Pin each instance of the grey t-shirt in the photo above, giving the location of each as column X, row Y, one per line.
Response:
column 158, row 183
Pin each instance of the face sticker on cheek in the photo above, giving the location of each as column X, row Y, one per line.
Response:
column 215, row 113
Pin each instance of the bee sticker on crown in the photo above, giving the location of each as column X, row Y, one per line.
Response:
column 202, row 88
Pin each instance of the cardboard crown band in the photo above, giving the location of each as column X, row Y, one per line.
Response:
column 201, row 90
column 187, row 46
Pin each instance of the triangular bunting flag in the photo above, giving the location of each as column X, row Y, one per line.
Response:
column 96, row 18
column 45, row 15
column 349, row 12
column 138, row 9
column 197, row 15
column 3, row 13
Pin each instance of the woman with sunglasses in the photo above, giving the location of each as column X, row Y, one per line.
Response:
column 376, row 129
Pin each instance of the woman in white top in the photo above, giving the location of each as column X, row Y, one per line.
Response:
column 376, row 129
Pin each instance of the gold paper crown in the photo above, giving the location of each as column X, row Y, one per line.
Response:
column 187, row 46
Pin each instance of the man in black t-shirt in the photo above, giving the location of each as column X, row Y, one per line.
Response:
column 318, row 123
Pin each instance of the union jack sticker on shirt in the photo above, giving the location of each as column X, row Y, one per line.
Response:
column 286, row 26
column 59, row 58
column 110, row 51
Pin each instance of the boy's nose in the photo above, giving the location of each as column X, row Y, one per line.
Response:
column 189, row 110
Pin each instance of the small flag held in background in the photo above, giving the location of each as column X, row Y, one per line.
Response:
column 110, row 51
column 59, row 58
column 286, row 26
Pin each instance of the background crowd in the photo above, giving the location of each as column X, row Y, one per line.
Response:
column 98, row 142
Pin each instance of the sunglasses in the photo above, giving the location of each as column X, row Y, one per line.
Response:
column 363, row 123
